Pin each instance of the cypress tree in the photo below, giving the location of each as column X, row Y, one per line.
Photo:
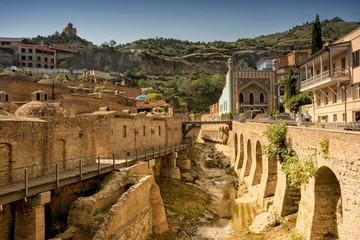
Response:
column 316, row 41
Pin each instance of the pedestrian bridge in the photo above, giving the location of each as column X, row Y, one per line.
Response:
column 187, row 126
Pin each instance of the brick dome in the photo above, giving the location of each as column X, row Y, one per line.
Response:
column 50, row 82
column 38, row 109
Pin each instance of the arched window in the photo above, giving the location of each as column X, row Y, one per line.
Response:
column 251, row 99
column 38, row 96
column 45, row 96
column 261, row 98
column 241, row 98
column 6, row 98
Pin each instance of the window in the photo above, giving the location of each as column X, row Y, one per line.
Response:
column 144, row 131
column 261, row 98
column 22, row 57
column 357, row 91
column 39, row 58
column 39, row 65
column 38, row 96
column 343, row 61
column 30, row 50
column 159, row 130
column 356, row 58
column 241, row 98
column 124, row 131
column 30, row 58
column 335, row 96
column 335, row 118
column 22, row 64
column 45, row 66
column 52, row 60
column 326, row 98
column 251, row 99
column 23, row 50
column 46, row 59
column 45, row 97
column 30, row 64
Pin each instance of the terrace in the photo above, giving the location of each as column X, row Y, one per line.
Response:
column 328, row 67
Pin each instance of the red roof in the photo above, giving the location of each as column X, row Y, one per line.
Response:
column 32, row 46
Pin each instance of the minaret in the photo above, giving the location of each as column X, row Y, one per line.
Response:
column 231, row 85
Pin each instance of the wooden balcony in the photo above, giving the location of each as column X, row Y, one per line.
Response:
column 325, row 79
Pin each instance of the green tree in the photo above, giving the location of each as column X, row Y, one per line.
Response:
column 106, row 68
column 289, row 84
column 141, row 75
column 154, row 96
column 62, row 64
column 316, row 40
column 129, row 73
column 294, row 103
column 112, row 43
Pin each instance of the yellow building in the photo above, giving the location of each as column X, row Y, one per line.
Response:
column 333, row 76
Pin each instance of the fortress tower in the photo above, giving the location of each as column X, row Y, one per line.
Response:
column 70, row 30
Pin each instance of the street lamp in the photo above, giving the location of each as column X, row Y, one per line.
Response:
column 344, row 87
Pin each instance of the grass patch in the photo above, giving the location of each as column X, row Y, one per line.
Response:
column 193, row 153
column 106, row 180
column 182, row 199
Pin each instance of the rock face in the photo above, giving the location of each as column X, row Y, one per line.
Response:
column 152, row 65
column 262, row 222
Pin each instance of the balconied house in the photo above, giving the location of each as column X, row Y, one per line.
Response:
column 333, row 76
column 281, row 64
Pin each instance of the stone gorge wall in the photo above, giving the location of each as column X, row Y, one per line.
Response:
column 328, row 205
column 35, row 141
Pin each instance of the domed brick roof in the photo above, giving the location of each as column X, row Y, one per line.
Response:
column 50, row 82
column 38, row 109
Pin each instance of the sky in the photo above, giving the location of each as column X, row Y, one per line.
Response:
column 194, row 20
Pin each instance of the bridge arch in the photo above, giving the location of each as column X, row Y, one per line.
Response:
column 248, row 158
column 328, row 205
column 241, row 157
column 258, row 167
column 236, row 147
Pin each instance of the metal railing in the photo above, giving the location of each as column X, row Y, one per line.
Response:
column 27, row 176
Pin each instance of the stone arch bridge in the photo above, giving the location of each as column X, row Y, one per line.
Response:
column 329, row 205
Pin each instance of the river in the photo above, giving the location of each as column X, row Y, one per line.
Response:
column 232, row 217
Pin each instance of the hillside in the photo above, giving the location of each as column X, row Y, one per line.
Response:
column 170, row 57
column 297, row 38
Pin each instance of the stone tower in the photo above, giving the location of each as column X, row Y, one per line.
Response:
column 70, row 30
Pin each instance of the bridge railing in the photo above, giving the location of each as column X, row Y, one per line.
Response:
column 54, row 169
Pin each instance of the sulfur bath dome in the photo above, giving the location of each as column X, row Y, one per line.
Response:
column 38, row 109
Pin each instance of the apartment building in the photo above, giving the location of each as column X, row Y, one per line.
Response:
column 36, row 57
column 333, row 76
column 8, row 50
column 264, row 63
